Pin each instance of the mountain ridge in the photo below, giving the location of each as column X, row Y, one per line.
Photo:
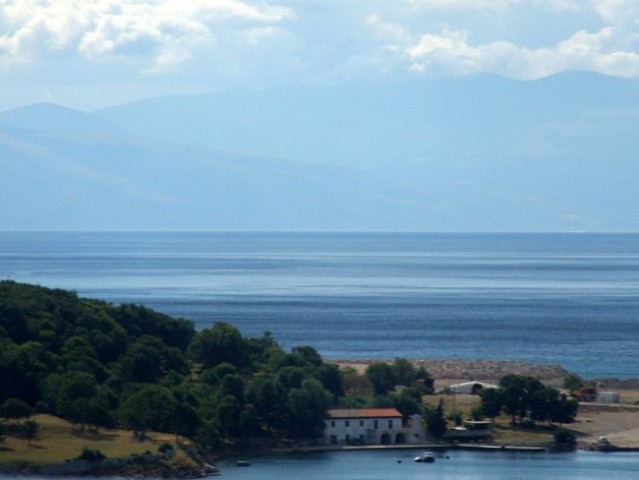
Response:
column 478, row 154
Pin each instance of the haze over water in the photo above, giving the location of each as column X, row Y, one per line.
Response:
column 570, row 299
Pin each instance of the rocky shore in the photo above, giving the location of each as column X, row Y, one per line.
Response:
column 489, row 369
column 453, row 368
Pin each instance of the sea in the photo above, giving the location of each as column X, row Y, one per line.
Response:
column 569, row 299
column 452, row 465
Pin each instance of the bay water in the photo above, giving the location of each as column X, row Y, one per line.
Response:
column 453, row 465
column 571, row 299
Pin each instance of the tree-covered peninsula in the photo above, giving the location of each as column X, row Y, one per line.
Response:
column 103, row 367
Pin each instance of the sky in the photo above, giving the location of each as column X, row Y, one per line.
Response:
column 88, row 54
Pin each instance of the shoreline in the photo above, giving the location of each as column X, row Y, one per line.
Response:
column 426, row 446
column 446, row 369
column 618, row 422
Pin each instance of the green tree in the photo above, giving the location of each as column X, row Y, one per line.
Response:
column 228, row 414
column 23, row 368
column 216, row 374
column 291, row 377
column 185, row 420
column 233, row 385
column 573, row 382
column 138, row 320
column 30, row 429
column 562, row 409
column 309, row 354
column 91, row 455
column 408, row 401
column 332, row 379
column 526, row 397
column 268, row 398
column 404, row 372
column 75, row 390
column 436, row 421
column 456, row 417
column 564, row 439
column 222, row 343
column 518, row 392
column 149, row 408
column 208, row 436
column 380, row 374
column 306, row 409
column 148, row 359
column 477, row 413
column 249, row 421
column 98, row 412
column 15, row 408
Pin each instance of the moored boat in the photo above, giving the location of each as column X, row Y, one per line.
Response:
column 426, row 457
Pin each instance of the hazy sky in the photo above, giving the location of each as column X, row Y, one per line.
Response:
column 93, row 53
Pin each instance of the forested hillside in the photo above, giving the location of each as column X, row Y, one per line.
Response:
column 101, row 365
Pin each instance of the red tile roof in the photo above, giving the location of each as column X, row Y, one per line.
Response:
column 364, row 413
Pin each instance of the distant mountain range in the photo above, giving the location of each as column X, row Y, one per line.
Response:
column 473, row 154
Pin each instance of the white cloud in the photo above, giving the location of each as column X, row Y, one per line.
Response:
column 516, row 38
column 618, row 12
column 462, row 4
column 451, row 53
column 166, row 32
column 164, row 46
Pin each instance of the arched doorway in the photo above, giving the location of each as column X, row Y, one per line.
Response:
column 400, row 439
column 386, row 439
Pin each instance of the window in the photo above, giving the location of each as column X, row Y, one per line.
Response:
column 347, row 423
column 333, row 423
column 361, row 423
column 376, row 424
column 390, row 424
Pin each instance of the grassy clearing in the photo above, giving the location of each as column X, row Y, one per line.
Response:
column 58, row 441
column 461, row 403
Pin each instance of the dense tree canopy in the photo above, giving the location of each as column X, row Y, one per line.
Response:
column 99, row 365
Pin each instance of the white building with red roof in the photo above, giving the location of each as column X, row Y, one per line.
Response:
column 372, row 426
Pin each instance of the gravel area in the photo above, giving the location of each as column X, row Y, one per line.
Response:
column 466, row 370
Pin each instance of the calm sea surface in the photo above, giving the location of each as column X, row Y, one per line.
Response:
column 571, row 299
column 383, row 465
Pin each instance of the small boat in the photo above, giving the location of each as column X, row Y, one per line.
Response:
column 243, row 463
column 426, row 457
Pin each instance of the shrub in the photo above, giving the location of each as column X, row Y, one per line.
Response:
column 15, row 408
column 89, row 454
column 573, row 382
column 564, row 439
column 165, row 447
column 456, row 417
column 30, row 429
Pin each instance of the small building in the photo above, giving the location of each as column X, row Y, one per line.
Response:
column 469, row 388
column 608, row 397
column 372, row 426
column 586, row 394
